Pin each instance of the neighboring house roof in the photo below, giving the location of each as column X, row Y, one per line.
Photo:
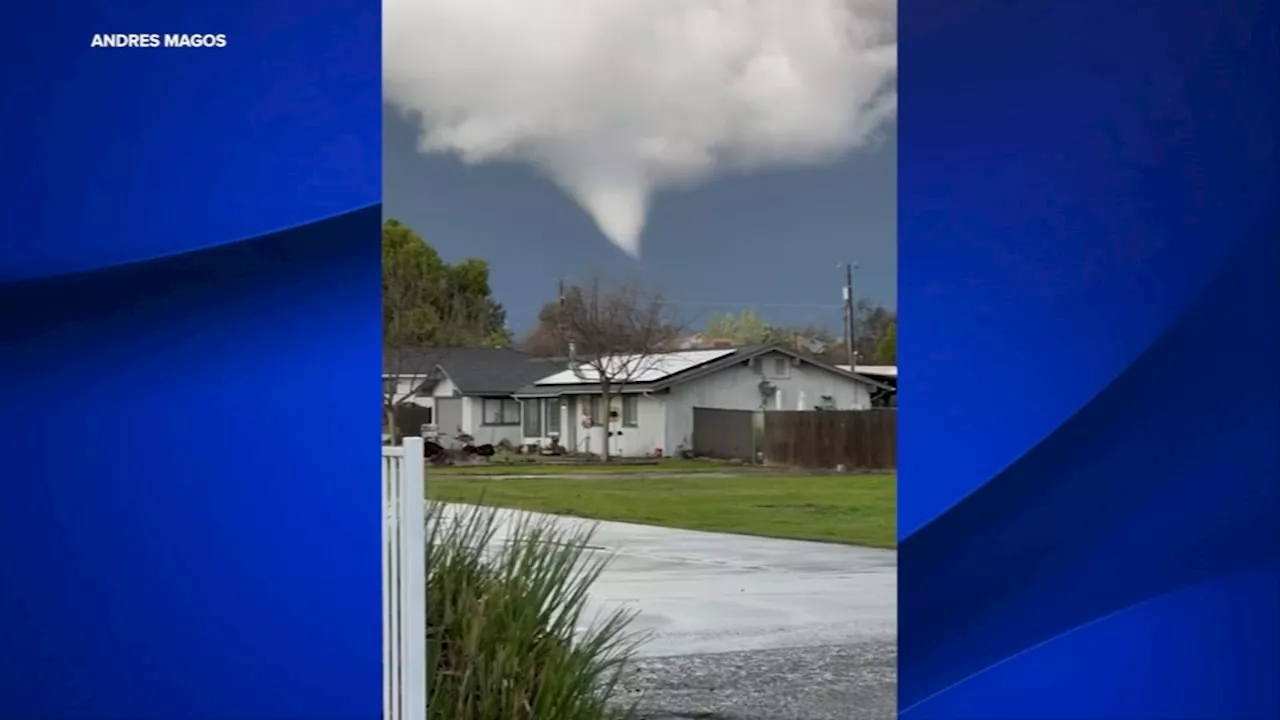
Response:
column 876, row 371
column 475, row 371
column 660, row 371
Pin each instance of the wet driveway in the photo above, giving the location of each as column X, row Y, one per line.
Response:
column 746, row 628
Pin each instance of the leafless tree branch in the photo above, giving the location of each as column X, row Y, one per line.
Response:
column 617, row 332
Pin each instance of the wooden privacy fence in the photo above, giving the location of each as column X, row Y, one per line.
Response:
column 856, row 439
column 724, row 434
column 404, row 582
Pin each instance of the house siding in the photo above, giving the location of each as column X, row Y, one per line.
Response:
column 737, row 388
column 649, row 434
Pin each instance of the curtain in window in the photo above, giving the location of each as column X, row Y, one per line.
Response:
column 500, row 411
column 491, row 411
column 553, row 415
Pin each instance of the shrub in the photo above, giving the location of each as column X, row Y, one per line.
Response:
column 504, row 619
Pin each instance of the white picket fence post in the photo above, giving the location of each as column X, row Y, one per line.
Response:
column 404, row 583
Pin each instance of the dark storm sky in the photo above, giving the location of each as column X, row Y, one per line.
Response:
column 771, row 239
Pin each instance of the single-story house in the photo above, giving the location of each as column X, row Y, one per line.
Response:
column 466, row 391
column 652, row 410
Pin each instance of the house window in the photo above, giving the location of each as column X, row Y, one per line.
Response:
column 499, row 411
column 533, row 410
column 593, row 410
column 553, row 415
column 630, row 410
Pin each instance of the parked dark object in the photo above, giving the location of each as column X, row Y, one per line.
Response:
column 409, row 420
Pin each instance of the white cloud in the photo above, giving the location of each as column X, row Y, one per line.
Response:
column 614, row 99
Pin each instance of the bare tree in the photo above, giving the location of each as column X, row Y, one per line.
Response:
column 546, row 338
column 614, row 335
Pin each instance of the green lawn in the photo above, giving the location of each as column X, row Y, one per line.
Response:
column 854, row 509
column 528, row 465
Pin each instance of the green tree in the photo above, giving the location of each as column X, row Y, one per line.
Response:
column 745, row 328
column 887, row 349
column 469, row 279
column 872, row 322
column 426, row 303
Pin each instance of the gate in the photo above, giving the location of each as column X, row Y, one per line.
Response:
column 404, row 583
column 724, row 434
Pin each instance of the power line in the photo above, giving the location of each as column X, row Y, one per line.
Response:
column 705, row 303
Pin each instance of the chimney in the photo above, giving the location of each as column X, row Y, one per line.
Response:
column 573, row 356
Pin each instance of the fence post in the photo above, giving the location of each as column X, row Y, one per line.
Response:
column 413, row 583
column 404, row 582
column 757, row 437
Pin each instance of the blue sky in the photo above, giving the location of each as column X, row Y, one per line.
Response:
column 770, row 239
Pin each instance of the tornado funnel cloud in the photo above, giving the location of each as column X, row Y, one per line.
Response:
column 614, row 101
column 619, row 212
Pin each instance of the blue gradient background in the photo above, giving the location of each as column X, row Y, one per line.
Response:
column 1089, row 280
column 189, row 360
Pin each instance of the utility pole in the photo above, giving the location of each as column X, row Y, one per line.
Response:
column 560, row 325
column 560, row 295
column 850, row 327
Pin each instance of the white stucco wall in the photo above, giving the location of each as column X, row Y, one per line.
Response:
column 738, row 388
column 649, row 432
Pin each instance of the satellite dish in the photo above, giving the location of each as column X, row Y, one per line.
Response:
column 767, row 389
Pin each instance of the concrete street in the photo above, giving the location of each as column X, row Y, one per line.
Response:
column 745, row 628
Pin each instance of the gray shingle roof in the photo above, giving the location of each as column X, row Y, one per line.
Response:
column 476, row 371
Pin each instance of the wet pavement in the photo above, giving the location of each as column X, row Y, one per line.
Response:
column 746, row 628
